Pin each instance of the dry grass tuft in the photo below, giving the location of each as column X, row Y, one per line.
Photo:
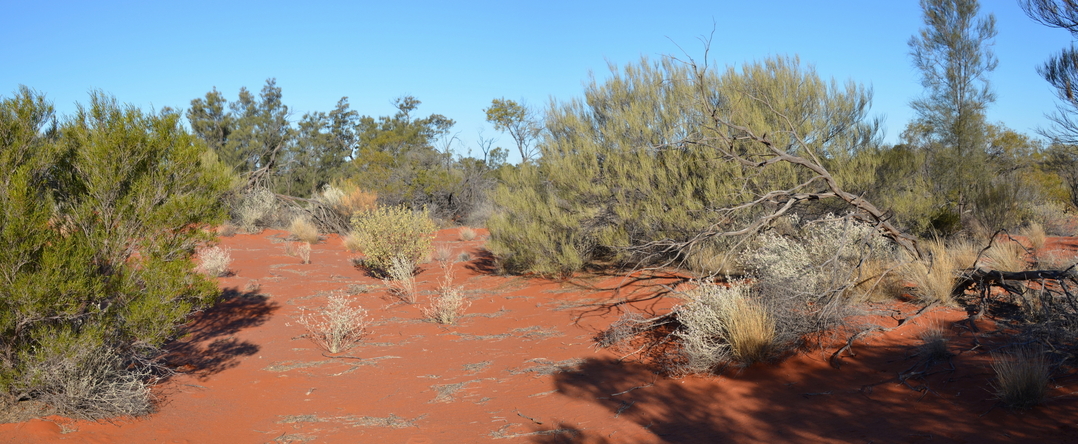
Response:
column 338, row 326
column 442, row 254
column 352, row 243
column 723, row 324
column 401, row 279
column 304, row 230
column 933, row 276
column 934, row 344
column 1021, row 377
column 467, row 234
column 214, row 261
column 1007, row 256
column 878, row 280
column 464, row 257
column 302, row 250
column 1036, row 235
column 712, row 261
column 449, row 304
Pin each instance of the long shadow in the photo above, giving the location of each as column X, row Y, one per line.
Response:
column 768, row 404
column 206, row 345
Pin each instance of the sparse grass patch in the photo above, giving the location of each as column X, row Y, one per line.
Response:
column 1021, row 377
column 442, row 253
column 400, row 279
column 227, row 230
column 336, row 327
column 255, row 209
column 302, row 250
column 302, row 228
column 351, row 243
column 466, row 234
column 449, row 304
column 214, row 261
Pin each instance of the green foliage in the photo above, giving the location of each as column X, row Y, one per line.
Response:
column 100, row 215
column 627, row 166
column 386, row 233
column 517, row 120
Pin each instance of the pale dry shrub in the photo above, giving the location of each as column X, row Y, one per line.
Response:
column 1036, row 235
column 1056, row 219
column 351, row 243
column 331, row 196
column 89, row 383
column 302, row 250
column 449, row 304
column 302, row 228
column 255, row 209
column 443, row 254
column 1021, row 377
column 336, row 327
column 214, row 261
column 1006, row 256
column 464, row 257
column 401, row 279
column 227, row 230
column 722, row 324
column 934, row 276
column 818, row 261
column 466, row 234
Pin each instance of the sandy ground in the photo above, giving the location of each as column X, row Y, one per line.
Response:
column 522, row 367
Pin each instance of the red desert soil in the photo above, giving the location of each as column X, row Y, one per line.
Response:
column 521, row 367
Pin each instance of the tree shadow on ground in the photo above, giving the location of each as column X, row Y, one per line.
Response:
column 206, row 345
column 778, row 403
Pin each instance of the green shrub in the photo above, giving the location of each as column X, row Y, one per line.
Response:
column 388, row 232
column 627, row 172
column 99, row 215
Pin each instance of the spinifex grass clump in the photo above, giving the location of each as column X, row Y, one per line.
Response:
column 724, row 324
column 1021, row 377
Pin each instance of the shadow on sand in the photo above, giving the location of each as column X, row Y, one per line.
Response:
column 206, row 345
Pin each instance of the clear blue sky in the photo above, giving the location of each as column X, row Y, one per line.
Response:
column 457, row 56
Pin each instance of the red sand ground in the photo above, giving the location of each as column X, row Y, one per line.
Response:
column 522, row 368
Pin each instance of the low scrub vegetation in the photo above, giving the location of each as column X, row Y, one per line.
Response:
column 302, row 228
column 214, row 261
column 449, row 303
column 337, row 326
column 1021, row 377
column 389, row 234
column 100, row 212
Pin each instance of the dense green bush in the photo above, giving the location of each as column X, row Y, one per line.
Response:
column 99, row 216
column 631, row 167
column 386, row 233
